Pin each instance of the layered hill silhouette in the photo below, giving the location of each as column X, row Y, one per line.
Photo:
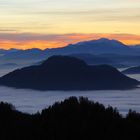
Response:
column 100, row 46
column 67, row 73
column 124, row 55
column 5, row 52
column 132, row 70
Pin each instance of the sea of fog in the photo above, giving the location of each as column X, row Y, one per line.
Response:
column 31, row 101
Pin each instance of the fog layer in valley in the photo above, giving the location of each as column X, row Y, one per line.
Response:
column 32, row 101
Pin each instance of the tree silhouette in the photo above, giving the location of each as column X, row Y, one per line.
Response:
column 72, row 119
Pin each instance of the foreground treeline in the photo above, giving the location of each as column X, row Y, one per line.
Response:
column 72, row 119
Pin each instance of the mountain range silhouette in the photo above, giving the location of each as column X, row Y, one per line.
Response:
column 101, row 51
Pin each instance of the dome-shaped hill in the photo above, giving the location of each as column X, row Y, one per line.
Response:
column 68, row 73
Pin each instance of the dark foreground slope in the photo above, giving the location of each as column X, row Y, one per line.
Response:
column 132, row 70
column 67, row 73
column 72, row 119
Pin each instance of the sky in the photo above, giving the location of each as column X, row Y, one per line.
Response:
column 55, row 23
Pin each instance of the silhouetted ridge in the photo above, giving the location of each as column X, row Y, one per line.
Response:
column 105, row 40
column 68, row 73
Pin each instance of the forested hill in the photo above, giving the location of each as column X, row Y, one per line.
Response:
column 72, row 119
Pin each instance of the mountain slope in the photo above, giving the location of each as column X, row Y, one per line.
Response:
column 67, row 73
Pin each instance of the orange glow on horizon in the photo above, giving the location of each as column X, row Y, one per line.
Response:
column 6, row 44
column 63, row 40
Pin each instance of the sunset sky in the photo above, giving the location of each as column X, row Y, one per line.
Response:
column 56, row 23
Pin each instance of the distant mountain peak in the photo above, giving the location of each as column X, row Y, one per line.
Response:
column 103, row 39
